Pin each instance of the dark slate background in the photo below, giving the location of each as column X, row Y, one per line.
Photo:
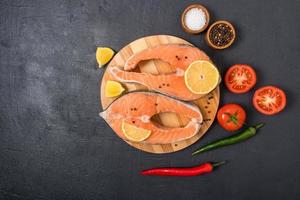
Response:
column 53, row 145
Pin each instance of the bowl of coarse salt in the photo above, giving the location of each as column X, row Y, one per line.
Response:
column 195, row 19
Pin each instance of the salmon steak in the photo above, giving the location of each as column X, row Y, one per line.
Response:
column 137, row 108
column 179, row 56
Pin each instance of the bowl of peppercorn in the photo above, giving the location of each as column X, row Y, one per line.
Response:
column 220, row 35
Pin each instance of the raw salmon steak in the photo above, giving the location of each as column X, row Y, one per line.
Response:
column 137, row 108
column 178, row 56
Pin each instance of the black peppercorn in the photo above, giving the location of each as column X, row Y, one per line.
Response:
column 221, row 35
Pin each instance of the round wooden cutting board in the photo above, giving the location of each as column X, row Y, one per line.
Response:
column 207, row 104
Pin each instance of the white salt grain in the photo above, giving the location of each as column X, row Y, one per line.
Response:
column 195, row 19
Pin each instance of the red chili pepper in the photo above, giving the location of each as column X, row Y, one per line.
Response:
column 188, row 171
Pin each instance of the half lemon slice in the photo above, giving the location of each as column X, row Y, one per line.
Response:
column 134, row 133
column 113, row 89
column 201, row 77
column 103, row 55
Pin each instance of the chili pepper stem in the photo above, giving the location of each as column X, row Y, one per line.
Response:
column 217, row 164
column 259, row 125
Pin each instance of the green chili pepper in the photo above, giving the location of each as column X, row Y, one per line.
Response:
column 246, row 134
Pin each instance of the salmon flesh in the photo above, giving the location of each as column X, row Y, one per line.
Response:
column 177, row 55
column 137, row 108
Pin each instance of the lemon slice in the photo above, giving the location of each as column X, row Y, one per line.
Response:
column 201, row 77
column 134, row 133
column 103, row 55
column 113, row 89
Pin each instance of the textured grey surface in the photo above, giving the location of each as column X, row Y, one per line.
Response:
column 53, row 145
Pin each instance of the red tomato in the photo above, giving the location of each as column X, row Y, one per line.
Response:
column 231, row 117
column 240, row 78
column 269, row 100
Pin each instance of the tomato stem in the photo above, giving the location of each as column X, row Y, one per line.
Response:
column 232, row 118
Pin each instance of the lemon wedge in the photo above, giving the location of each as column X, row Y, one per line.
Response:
column 201, row 77
column 134, row 133
column 113, row 89
column 103, row 55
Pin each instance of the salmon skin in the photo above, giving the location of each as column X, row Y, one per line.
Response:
column 177, row 55
column 137, row 108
